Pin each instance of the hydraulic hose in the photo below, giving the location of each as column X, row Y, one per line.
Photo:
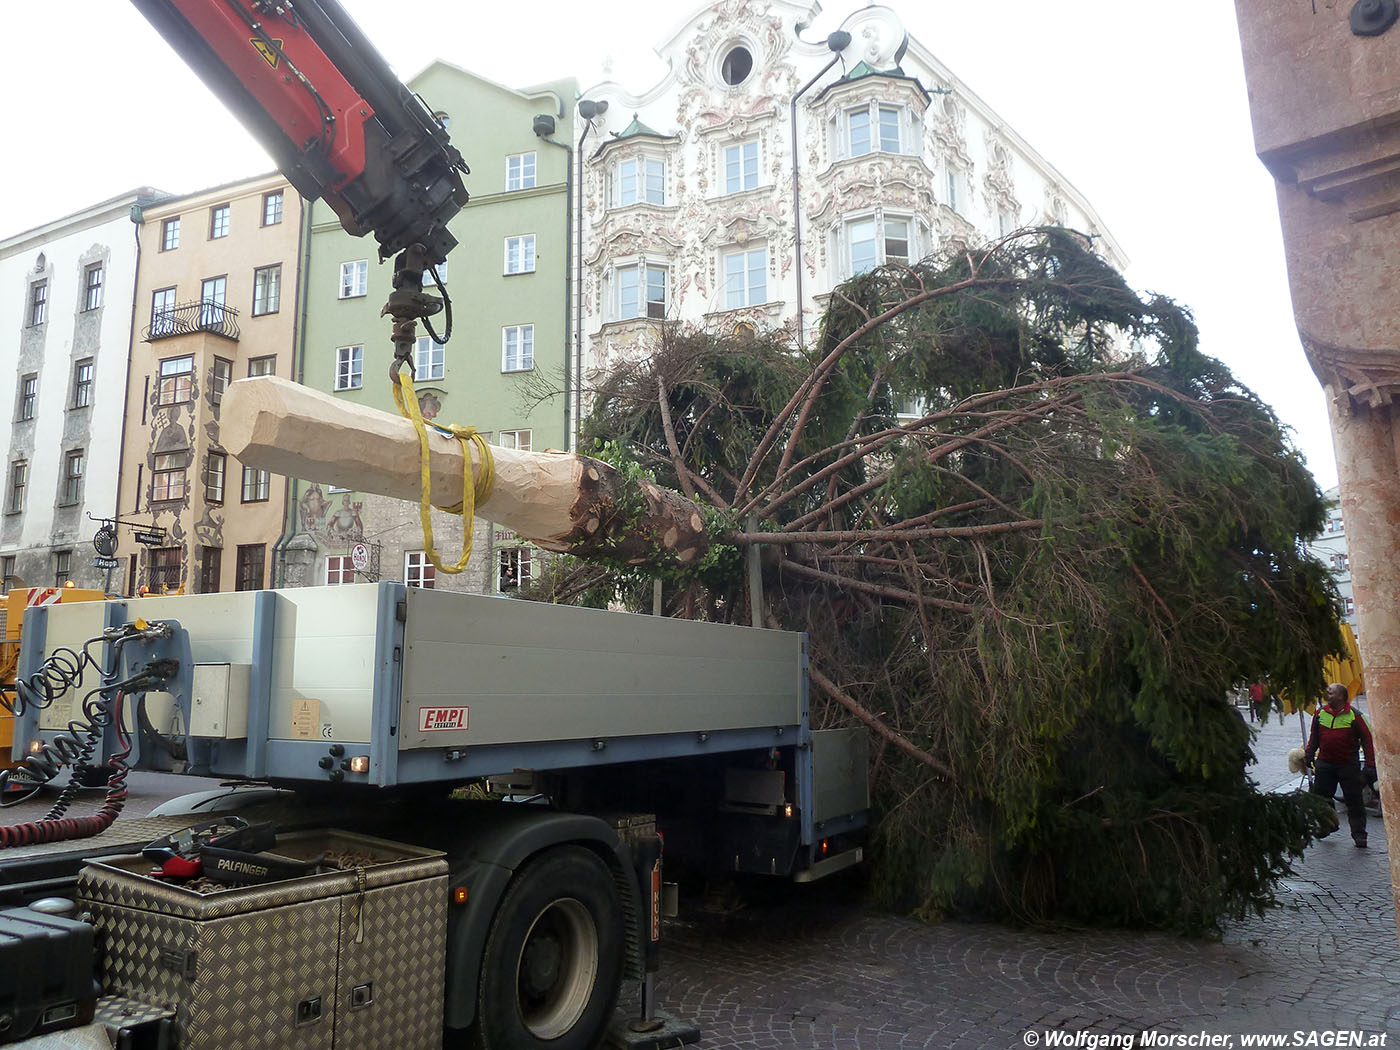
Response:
column 102, row 707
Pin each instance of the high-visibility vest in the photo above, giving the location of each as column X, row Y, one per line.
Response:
column 1339, row 720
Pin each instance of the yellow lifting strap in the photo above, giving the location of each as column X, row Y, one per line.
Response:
column 473, row 494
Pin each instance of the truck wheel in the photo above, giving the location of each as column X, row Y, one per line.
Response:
column 553, row 959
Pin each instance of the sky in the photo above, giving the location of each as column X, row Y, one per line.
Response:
column 1141, row 106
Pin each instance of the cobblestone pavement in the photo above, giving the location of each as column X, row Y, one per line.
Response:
column 818, row 971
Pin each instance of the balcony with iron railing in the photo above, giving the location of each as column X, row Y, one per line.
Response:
column 190, row 318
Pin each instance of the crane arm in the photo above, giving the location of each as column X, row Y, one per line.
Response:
column 314, row 91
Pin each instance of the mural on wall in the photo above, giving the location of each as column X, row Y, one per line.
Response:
column 172, row 443
column 209, row 529
column 331, row 525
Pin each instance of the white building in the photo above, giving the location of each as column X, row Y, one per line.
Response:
column 1331, row 549
column 65, row 331
column 687, row 188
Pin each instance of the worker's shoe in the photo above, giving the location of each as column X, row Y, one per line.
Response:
column 1360, row 841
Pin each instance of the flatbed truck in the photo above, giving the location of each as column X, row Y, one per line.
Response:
column 586, row 739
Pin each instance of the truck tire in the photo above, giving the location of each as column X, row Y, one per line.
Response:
column 553, row 960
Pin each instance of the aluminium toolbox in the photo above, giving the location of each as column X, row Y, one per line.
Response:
column 348, row 958
column 46, row 973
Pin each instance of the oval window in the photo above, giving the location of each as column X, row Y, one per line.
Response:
column 737, row 66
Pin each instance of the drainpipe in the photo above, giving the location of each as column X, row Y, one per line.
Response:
column 293, row 485
column 137, row 218
column 587, row 109
column 544, row 127
column 836, row 42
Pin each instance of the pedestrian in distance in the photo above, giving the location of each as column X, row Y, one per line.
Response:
column 1338, row 732
column 1258, row 702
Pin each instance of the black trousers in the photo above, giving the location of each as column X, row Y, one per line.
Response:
column 1326, row 777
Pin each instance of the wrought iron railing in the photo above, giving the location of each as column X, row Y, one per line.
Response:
column 188, row 318
column 162, row 579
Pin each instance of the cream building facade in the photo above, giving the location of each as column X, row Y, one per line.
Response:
column 216, row 300
column 689, row 207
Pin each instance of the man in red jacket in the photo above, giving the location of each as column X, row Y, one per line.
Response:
column 1337, row 732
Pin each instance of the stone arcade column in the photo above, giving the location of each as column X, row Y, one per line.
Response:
column 1324, row 92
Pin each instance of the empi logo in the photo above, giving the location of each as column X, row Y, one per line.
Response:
column 438, row 719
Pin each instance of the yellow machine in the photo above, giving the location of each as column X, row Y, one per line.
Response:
column 19, row 599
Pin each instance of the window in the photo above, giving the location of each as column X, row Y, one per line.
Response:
column 953, row 187
column 92, row 287
column 740, row 167
column 745, row 278
column 354, row 279
column 256, row 485
column 516, row 439
column 349, row 367
column 340, row 569
column 162, row 311
column 164, row 574
column 220, row 376
column 170, row 234
column 267, row 290
column 7, row 572
column 211, row 564
column 72, row 478
column 737, row 66
column 262, row 366
column 176, row 383
column 878, row 241
column 1340, row 562
column 1334, row 524
column 218, row 222
column 1349, row 605
column 520, row 171
column 272, row 208
column 248, row 572
column 168, row 476
column 28, row 397
column 634, row 282
column 520, row 254
column 215, row 470
column 873, row 128
column 418, row 571
column 518, row 348
column 427, row 358
column 82, row 383
column 514, row 568
column 212, row 297
column 641, row 181
column 897, row 242
column 19, row 474
column 38, row 303
column 62, row 567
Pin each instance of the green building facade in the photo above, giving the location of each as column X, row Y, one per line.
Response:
column 502, row 370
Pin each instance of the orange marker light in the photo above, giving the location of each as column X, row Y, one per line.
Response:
column 459, row 895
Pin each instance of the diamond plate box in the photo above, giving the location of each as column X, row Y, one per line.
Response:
column 347, row 958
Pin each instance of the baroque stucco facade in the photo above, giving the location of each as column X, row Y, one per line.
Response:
column 897, row 159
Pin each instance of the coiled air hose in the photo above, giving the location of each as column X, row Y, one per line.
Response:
column 62, row 671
